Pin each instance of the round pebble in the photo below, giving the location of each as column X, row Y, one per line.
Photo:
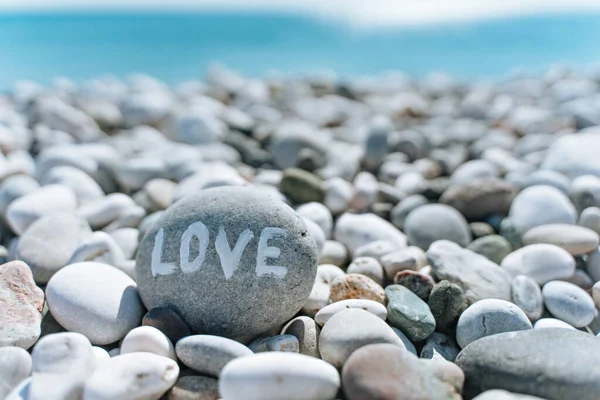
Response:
column 355, row 286
column 208, row 354
column 147, row 339
column 432, row 222
column 527, row 295
column 371, row 306
column 367, row 266
column 541, row 262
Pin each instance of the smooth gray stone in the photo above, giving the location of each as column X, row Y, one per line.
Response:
column 519, row 361
column 15, row 367
column 62, row 362
column 14, row 187
column 574, row 155
column 569, row 303
column 479, row 277
column 260, row 283
column 407, row 343
column 489, row 317
column 287, row 343
column 208, row 354
column 48, row 244
column 407, row 312
column 351, row 329
column 334, row 253
column 432, row 222
column 480, row 198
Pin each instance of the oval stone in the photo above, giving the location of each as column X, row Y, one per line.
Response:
column 569, row 303
column 541, row 262
column 577, row 240
column 276, row 375
column 231, row 260
column 330, row 310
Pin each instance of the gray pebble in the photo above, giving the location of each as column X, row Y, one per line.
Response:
column 527, row 295
column 208, row 354
column 569, row 303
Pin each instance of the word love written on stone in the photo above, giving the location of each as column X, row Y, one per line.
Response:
column 230, row 259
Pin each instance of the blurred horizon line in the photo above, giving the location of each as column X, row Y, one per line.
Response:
column 381, row 13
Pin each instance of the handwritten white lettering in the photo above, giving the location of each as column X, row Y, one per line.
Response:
column 265, row 251
column 230, row 259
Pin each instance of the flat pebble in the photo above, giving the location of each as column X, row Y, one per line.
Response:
column 541, row 262
column 527, row 295
column 208, row 354
column 432, row 222
column 355, row 286
column 147, row 339
column 351, row 329
column 96, row 300
column 367, row 266
column 577, row 240
column 569, row 303
column 489, row 317
column 22, row 303
column 15, row 367
column 371, row 306
column 382, row 371
column 275, row 375
column 306, row 330
column 135, row 376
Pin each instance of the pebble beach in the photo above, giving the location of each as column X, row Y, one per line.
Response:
column 301, row 237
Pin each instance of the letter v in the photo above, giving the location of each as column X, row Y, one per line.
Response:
column 230, row 259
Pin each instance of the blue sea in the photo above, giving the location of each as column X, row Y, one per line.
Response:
column 177, row 47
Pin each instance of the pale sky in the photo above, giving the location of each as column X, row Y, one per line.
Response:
column 362, row 12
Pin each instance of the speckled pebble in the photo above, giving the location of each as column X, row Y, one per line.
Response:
column 356, row 286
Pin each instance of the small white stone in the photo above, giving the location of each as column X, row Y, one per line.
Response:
column 147, row 339
column 319, row 214
column 355, row 230
column 276, row 375
column 330, row 310
column 577, row 240
column 412, row 258
column 527, row 295
column 541, row 205
column 134, row 376
column 96, row 300
column 541, row 262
